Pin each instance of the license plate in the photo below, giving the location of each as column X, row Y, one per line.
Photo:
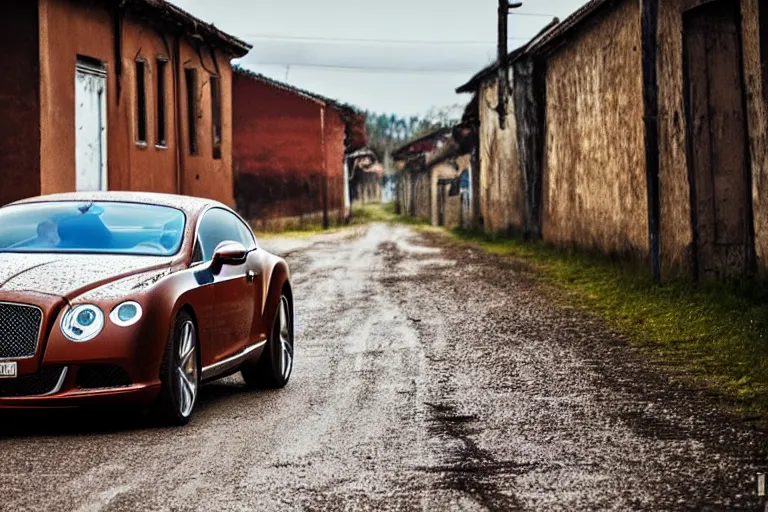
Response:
column 8, row 370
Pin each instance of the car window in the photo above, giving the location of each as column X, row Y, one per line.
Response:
column 92, row 227
column 219, row 226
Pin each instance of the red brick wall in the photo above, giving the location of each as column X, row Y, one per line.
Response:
column 334, row 158
column 19, row 102
column 279, row 153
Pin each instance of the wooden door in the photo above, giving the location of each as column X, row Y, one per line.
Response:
column 718, row 155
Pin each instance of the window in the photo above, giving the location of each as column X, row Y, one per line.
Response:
column 162, row 65
column 92, row 227
column 219, row 226
column 216, row 115
column 141, row 102
column 190, row 76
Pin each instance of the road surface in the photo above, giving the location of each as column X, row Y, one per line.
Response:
column 428, row 377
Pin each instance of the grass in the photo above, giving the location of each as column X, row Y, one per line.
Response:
column 714, row 335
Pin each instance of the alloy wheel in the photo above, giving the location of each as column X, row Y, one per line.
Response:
column 286, row 344
column 187, row 370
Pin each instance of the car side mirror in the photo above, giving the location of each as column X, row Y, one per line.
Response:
column 228, row 253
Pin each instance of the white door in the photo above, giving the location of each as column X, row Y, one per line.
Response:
column 91, row 127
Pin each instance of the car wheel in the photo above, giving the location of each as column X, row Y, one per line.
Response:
column 276, row 364
column 179, row 373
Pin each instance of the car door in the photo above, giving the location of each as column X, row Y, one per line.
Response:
column 234, row 286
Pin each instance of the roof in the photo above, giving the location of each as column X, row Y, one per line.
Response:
column 491, row 69
column 335, row 104
column 412, row 146
column 167, row 12
column 551, row 39
column 186, row 203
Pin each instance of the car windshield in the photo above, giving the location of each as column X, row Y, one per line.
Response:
column 92, row 227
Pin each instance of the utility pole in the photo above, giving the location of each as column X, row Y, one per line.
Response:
column 504, row 7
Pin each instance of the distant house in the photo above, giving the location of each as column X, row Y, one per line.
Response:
column 636, row 135
column 290, row 149
column 431, row 170
column 97, row 95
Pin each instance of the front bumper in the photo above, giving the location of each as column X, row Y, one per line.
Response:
column 58, row 388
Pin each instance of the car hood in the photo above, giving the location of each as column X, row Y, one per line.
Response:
column 72, row 275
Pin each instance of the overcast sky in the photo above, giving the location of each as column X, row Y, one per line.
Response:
column 414, row 52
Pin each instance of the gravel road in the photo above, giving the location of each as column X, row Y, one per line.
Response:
column 428, row 377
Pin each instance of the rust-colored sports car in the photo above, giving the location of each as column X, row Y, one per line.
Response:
column 122, row 298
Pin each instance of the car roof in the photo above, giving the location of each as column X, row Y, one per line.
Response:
column 188, row 204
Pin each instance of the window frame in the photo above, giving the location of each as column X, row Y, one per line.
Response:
column 197, row 246
column 217, row 131
column 161, row 112
column 191, row 81
column 142, row 109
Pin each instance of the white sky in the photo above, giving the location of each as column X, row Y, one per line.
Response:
column 303, row 40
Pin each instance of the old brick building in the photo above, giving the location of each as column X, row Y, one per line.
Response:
column 289, row 152
column 101, row 95
column 637, row 128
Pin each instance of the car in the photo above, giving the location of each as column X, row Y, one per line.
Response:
column 136, row 299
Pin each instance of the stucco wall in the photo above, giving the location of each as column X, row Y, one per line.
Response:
column 594, row 179
column 502, row 192
column 676, row 233
column 69, row 29
column 19, row 102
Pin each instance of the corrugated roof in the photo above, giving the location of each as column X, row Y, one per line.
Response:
column 169, row 13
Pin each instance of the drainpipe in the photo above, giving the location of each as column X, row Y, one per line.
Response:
column 649, row 22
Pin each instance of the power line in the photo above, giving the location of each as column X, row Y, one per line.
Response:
column 377, row 41
column 372, row 69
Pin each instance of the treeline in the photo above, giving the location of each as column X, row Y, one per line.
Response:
column 387, row 132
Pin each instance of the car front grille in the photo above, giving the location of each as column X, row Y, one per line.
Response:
column 102, row 377
column 41, row 383
column 19, row 330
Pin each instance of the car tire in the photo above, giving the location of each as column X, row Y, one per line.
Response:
column 274, row 368
column 179, row 373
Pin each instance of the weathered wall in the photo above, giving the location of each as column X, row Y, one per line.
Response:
column 69, row 29
column 421, row 195
column 19, row 102
column 443, row 170
column 594, row 182
column 502, row 193
column 676, row 234
column 278, row 151
column 288, row 152
column 757, row 116
column 334, row 163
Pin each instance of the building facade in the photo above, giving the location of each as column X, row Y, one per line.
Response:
column 100, row 95
column 289, row 153
column 650, row 140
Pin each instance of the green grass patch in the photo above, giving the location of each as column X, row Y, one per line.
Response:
column 715, row 335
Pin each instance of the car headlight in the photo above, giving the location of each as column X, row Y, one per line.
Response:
column 82, row 323
column 126, row 314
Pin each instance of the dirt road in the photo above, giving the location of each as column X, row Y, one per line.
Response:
column 428, row 377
